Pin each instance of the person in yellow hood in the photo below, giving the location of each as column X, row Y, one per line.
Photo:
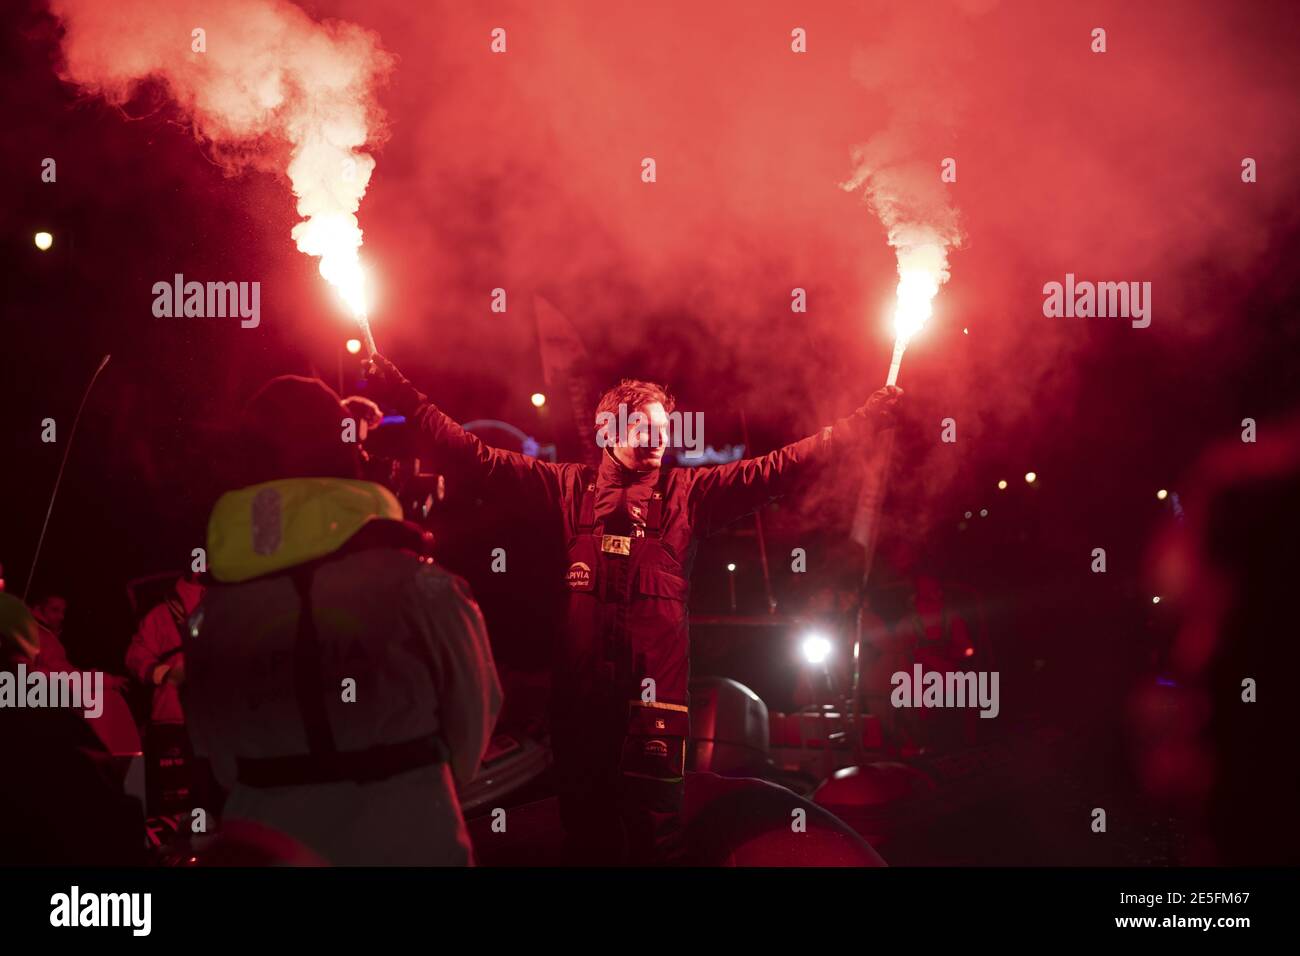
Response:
column 338, row 680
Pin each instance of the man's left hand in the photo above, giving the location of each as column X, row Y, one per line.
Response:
column 881, row 409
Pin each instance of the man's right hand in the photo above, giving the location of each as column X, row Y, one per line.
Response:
column 392, row 388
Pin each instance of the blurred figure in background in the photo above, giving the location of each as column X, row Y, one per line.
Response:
column 176, row 782
column 50, row 610
column 339, row 681
column 155, row 658
column 938, row 639
column 115, row 726
column 1216, row 733
column 366, row 414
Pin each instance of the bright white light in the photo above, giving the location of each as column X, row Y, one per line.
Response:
column 1031, row 477
column 1156, row 599
column 1162, row 494
column 731, row 567
column 816, row 648
column 353, row 346
column 44, row 240
column 538, row 399
column 915, row 302
column 1002, row 485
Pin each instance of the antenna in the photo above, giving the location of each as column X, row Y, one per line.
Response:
column 31, row 575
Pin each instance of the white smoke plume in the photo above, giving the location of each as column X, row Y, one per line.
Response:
column 912, row 204
column 271, row 88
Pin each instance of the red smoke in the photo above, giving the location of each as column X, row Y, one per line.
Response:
column 274, row 89
column 522, row 171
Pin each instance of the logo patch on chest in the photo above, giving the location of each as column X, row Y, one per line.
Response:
column 615, row 544
column 579, row 576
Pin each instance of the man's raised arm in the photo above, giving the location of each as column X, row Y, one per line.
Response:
column 721, row 494
column 460, row 452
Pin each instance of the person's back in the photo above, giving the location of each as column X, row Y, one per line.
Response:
column 338, row 680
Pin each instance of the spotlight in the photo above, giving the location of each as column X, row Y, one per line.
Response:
column 353, row 346
column 816, row 648
column 1162, row 494
column 44, row 240
column 538, row 399
column 1031, row 476
column 731, row 567
column 1002, row 485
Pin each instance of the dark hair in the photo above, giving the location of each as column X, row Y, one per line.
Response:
column 293, row 428
column 635, row 394
column 365, row 410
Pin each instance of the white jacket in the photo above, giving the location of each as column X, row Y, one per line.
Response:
column 404, row 633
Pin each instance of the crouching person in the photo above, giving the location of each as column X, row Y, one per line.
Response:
column 339, row 681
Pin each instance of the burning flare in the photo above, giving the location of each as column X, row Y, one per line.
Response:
column 921, row 224
column 918, row 284
column 265, row 85
column 336, row 240
column 916, row 292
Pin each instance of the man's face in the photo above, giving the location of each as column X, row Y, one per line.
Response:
column 647, row 437
column 52, row 611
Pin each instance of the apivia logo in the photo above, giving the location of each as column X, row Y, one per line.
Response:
column 579, row 576
column 656, row 748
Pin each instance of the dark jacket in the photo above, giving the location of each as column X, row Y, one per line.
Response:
column 627, row 615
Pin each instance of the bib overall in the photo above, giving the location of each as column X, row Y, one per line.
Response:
column 620, row 721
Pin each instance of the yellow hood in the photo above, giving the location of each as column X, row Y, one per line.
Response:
column 19, row 633
column 281, row 524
